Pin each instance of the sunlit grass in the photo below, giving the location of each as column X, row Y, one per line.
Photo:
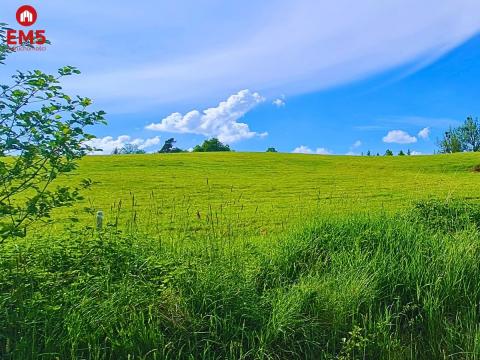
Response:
column 259, row 193
column 253, row 256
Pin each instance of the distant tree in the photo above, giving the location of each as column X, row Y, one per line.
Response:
column 271, row 149
column 409, row 152
column 466, row 137
column 469, row 134
column 451, row 142
column 369, row 153
column 389, row 152
column 129, row 149
column 116, row 151
column 211, row 145
column 378, row 154
column 169, row 148
column 401, row 153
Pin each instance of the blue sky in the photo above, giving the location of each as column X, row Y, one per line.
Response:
column 307, row 76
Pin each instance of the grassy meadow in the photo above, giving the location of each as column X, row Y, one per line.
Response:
column 255, row 193
column 252, row 256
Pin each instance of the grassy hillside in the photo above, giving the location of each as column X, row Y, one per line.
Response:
column 379, row 287
column 260, row 192
column 251, row 264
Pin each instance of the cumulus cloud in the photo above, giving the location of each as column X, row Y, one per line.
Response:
column 399, row 137
column 107, row 144
column 278, row 102
column 221, row 121
column 302, row 149
column 415, row 153
column 424, row 133
column 322, row 151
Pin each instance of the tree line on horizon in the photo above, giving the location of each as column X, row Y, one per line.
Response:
column 210, row 145
column 464, row 138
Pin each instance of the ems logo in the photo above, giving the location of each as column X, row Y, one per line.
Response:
column 23, row 40
column 26, row 15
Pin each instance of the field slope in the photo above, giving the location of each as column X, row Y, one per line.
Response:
column 253, row 256
column 263, row 192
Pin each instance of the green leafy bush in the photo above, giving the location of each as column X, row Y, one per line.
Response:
column 211, row 145
column 42, row 135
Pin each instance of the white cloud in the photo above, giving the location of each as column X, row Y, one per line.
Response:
column 221, row 121
column 244, row 52
column 356, row 144
column 302, row 149
column 107, row 144
column 399, row 137
column 352, row 153
column 415, row 153
column 322, row 151
column 278, row 102
column 143, row 144
column 424, row 133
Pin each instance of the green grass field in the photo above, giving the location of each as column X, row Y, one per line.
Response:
column 253, row 256
column 258, row 193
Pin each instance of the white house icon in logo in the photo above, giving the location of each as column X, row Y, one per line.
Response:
column 26, row 16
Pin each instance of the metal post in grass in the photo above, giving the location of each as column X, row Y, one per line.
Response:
column 99, row 220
